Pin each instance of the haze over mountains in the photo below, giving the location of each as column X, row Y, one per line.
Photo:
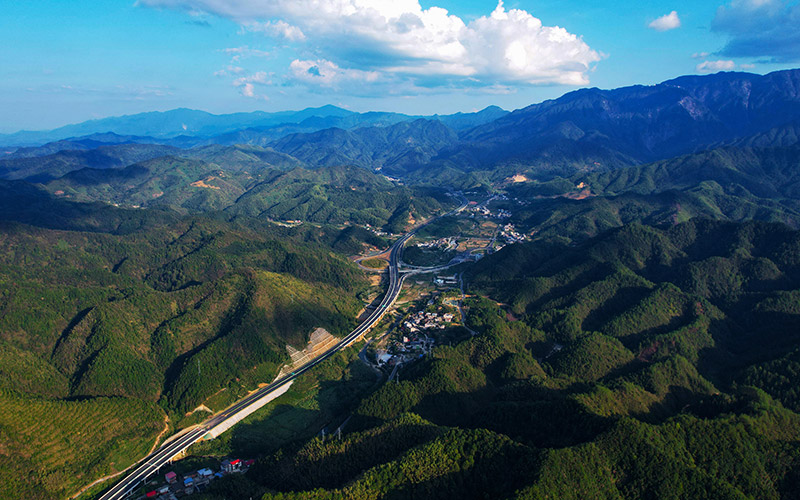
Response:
column 589, row 129
column 186, row 126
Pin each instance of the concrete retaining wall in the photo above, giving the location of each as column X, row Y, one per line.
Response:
column 245, row 412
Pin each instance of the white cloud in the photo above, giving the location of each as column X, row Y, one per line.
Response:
column 247, row 84
column 666, row 22
column 401, row 38
column 700, row 55
column 328, row 74
column 715, row 66
column 248, row 90
column 239, row 53
column 278, row 29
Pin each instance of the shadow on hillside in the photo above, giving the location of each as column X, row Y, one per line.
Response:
column 293, row 424
column 29, row 204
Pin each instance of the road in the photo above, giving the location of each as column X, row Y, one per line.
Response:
column 150, row 465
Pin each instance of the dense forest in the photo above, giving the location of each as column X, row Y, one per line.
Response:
column 125, row 328
column 643, row 363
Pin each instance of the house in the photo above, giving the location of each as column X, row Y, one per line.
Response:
column 231, row 465
column 205, row 473
column 151, row 494
column 171, row 477
column 188, row 485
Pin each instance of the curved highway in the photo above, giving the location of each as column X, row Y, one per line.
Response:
column 152, row 463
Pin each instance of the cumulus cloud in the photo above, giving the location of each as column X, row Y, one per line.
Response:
column 666, row 22
column 248, row 90
column 760, row 28
column 328, row 74
column 715, row 66
column 402, row 38
column 247, row 84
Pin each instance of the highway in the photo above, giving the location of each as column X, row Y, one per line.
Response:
column 152, row 463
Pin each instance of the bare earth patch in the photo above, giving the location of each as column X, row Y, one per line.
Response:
column 203, row 183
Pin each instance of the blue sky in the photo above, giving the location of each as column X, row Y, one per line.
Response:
column 65, row 62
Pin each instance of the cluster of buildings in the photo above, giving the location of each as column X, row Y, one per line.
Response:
column 414, row 342
column 446, row 280
column 510, row 234
column 424, row 321
column 484, row 211
column 375, row 230
column 441, row 243
column 195, row 481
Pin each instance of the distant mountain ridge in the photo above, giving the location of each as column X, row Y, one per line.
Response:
column 189, row 127
column 604, row 129
column 588, row 130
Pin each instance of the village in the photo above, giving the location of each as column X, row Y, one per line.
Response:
column 510, row 234
column 435, row 320
column 175, row 486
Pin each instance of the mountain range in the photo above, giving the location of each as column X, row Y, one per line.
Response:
column 189, row 127
column 584, row 130
column 643, row 343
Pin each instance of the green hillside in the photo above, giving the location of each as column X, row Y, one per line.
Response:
column 42, row 169
column 224, row 181
column 644, row 363
column 730, row 183
column 103, row 336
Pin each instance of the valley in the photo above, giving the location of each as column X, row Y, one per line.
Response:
column 591, row 297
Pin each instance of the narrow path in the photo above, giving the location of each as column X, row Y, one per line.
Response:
column 112, row 476
column 96, row 482
column 166, row 429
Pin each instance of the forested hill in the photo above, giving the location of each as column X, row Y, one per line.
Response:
column 645, row 363
column 735, row 183
column 771, row 173
column 334, row 195
column 114, row 330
